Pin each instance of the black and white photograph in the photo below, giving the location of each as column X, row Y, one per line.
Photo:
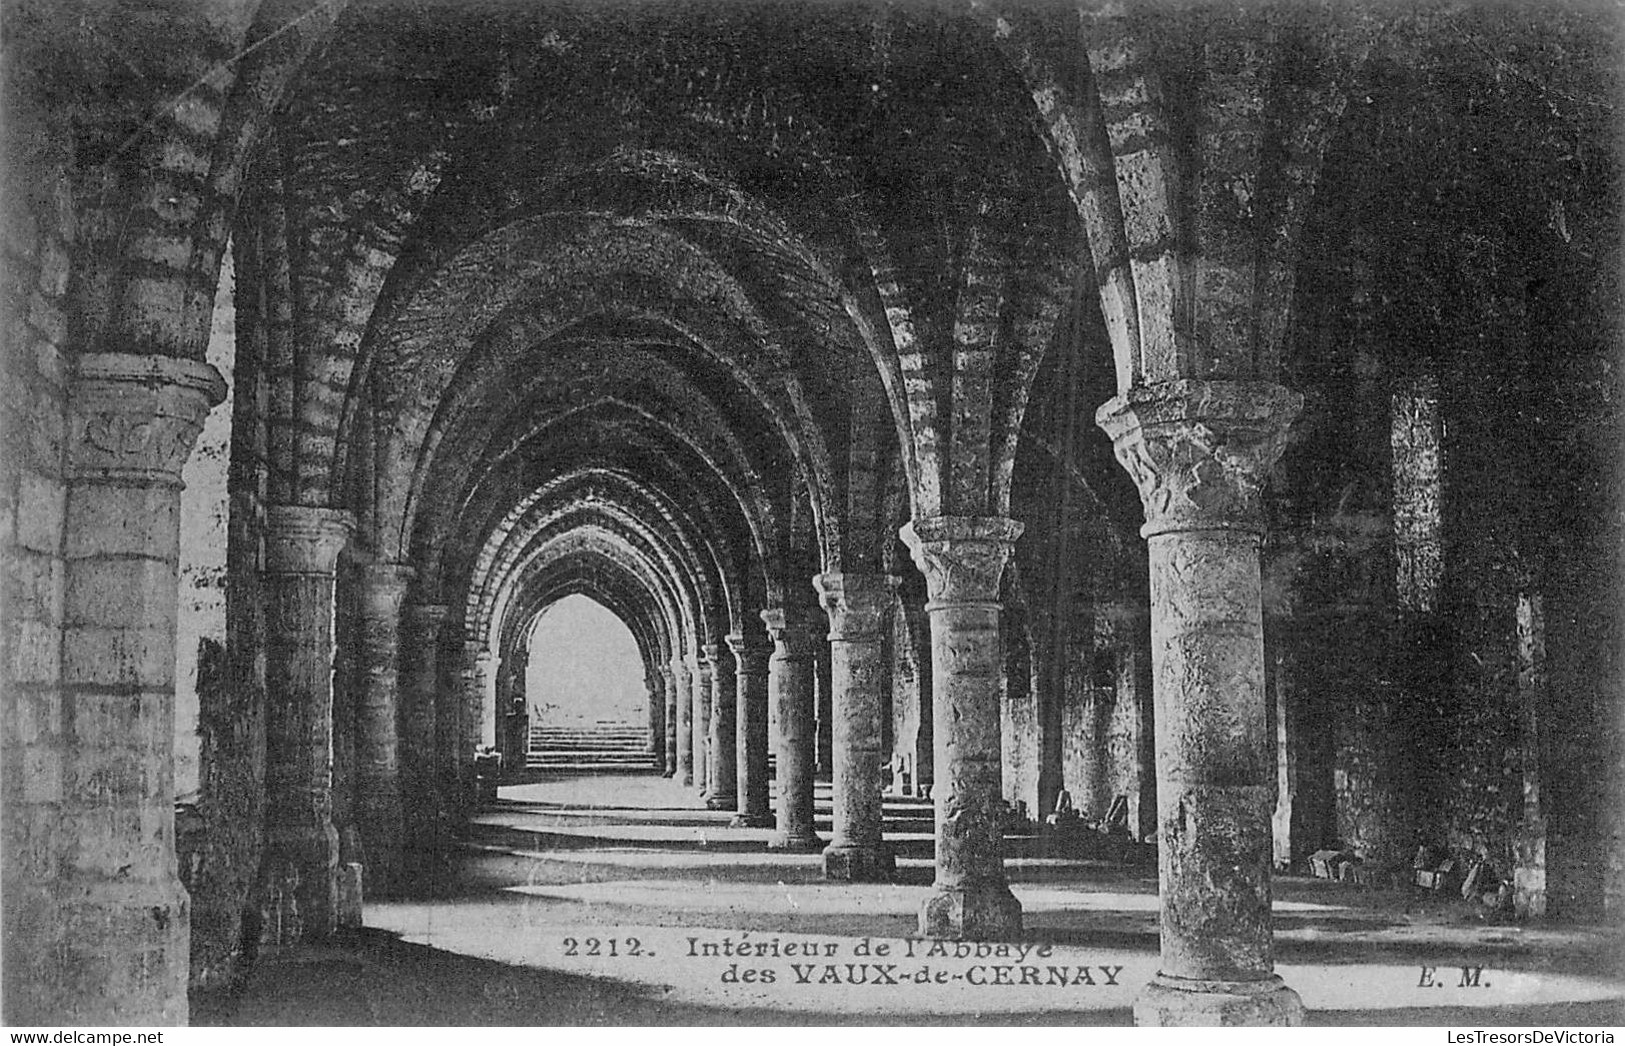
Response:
column 811, row 514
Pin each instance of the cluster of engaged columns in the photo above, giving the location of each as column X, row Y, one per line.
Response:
column 414, row 722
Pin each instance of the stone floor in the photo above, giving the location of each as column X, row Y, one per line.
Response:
column 595, row 900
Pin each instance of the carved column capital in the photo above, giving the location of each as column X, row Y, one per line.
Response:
column 750, row 654
column 962, row 557
column 792, row 629
column 383, row 588
column 858, row 604
column 134, row 419
column 302, row 539
column 1200, row 451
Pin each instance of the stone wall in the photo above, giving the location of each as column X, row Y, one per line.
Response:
column 38, row 230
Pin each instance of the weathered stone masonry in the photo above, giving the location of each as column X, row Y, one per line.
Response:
column 681, row 315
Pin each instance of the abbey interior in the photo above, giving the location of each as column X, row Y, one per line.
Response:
column 1171, row 445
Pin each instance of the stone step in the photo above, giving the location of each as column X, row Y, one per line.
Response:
column 589, row 739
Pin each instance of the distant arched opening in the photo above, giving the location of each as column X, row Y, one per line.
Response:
column 585, row 689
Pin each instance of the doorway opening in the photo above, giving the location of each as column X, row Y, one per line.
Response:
column 585, row 691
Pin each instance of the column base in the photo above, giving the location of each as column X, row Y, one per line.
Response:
column 749, row 820
column 796, row 844
column 721, row 802
column 348, row 878
column 983, row 913
column 858, row 864
column 1174, row 1002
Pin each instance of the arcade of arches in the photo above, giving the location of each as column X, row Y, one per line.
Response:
column 1212, row 406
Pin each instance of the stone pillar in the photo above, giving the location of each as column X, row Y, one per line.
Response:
column 918, row 628
column 790, row 688
column 824, row 712
column 513, row 720
column 422, row 802
column 463, row 728
column 682, row 691
column 298, row 891
column 96, row 919
column 699, row 670
column 448, row 724
column 1530, row 837
column 479, row 714
column 750, row 731
column 669, row 692
column 721, row 771
column 482, row 726
column 656, row 688
column 1286, row 762
column 377, row 758
column 352, row 855
column 963, row 559
column 1200, row 452
column 857, row 605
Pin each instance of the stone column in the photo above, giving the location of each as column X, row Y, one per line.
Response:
column 420, row 681
column 682, row 691
column 463, row 728
column 669, row 691
column 857, row 605
column 963, row 559
column 298, row 891
column 721, row 772
column 1286, row 761
column 750, row 731
column 918, row 626
column 790, row 688
column 699, row 671
column 478, row 714
column 656, row 688
column 352, row 853
column 513, row 721
column 377, row 757
column 451, row 669
column 482, row 727
column 1200, row 452
column 824, row 713
column 92, row 895
column 1529, row 839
